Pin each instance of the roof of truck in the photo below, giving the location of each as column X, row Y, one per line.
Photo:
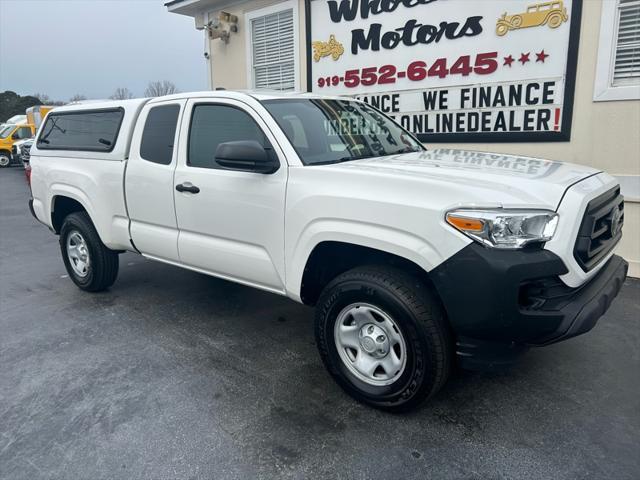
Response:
column 238, row 94
column 101, row 104
column 136, row 103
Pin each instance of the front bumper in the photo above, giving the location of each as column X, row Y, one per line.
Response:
column 33, row 212
column 501, row 302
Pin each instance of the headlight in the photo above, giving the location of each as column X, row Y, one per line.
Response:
column 505, row 228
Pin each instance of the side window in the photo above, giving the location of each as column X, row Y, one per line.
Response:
column 24, row 132
column 84, row 130
column 212, row 125
column 159, row 133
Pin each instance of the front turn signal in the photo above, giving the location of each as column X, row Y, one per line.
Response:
column 465, row 223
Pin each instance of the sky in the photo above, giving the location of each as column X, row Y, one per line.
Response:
column 91, row 47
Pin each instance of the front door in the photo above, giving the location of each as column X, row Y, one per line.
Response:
column 231, row 223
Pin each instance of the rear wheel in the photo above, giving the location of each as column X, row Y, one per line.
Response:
column 383, row 337
column 90, row 264
column 555, row 20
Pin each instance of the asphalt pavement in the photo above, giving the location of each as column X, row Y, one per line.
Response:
column 175, row 375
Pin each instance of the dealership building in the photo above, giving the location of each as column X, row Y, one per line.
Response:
column 557, row 80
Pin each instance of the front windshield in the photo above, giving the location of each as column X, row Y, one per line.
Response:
column 333, row 131
column 4, row 133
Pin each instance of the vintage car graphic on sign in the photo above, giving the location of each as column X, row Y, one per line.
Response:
column 550, row 13
column 324, row 49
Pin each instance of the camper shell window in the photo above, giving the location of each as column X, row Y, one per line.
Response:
column 83, row 130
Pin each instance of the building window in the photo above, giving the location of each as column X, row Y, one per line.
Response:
column 273, row 43
column 618, row 67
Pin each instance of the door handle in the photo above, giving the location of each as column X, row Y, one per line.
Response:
column 187, row 187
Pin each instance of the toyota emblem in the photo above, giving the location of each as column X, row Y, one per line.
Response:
column 616, row 216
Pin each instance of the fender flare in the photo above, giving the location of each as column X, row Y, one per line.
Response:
column 74, row 193
column 396, row 242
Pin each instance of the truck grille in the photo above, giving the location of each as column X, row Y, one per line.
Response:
column 600, row 230
column 25, row 153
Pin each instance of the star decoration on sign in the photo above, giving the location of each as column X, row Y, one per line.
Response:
column 524, row 58
column 541, row 57
column 508, row 60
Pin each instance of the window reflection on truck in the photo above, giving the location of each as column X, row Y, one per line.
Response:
column 352, row 129
column 523, row 166
column 486, row 162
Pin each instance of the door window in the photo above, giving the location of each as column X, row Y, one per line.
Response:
column 159, row 134
column 212, row 125
column 24, row 132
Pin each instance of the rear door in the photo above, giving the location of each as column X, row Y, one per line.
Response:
column 233, row 226
column 149, row 180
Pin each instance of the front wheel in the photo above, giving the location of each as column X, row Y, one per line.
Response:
column 382, row 335
column 89, row 263
column 5, row 159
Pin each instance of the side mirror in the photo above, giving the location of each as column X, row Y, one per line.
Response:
column 246, row 156
column 15, row 136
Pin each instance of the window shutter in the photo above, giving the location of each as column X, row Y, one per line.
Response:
column 273, row 52
column 626, row 70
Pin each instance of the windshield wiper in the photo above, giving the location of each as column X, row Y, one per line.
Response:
column 405, row 150
column 355, row 157
column 341, row 160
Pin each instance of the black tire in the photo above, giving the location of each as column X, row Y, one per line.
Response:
column 419, row 316
column 103, row 268
column 5, row 159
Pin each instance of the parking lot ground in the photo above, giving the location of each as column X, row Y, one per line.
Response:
column 172, row 374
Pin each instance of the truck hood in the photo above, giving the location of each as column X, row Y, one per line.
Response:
column 489, row 178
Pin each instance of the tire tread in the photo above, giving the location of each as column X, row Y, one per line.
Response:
column 104, row 262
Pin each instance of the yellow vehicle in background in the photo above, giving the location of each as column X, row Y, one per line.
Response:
column 18, row 129
column 36, row 114
column 9, row 134
column 552, row 14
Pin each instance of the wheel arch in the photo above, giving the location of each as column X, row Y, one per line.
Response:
column 423, row 251
column 65, row 203
column 328, row 259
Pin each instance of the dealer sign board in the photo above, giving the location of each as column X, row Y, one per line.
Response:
column 451, row 70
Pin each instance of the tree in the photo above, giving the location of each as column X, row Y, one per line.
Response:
column 159, row 88
column 77, row 98
column 121, row 93
column 46, row 99
column 13, row 104
column 43, row 97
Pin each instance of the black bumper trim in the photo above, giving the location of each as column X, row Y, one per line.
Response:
column 31, row 209
column 485, row 293
column 592, row 301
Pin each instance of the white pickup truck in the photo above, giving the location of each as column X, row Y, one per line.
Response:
column 416, row 259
